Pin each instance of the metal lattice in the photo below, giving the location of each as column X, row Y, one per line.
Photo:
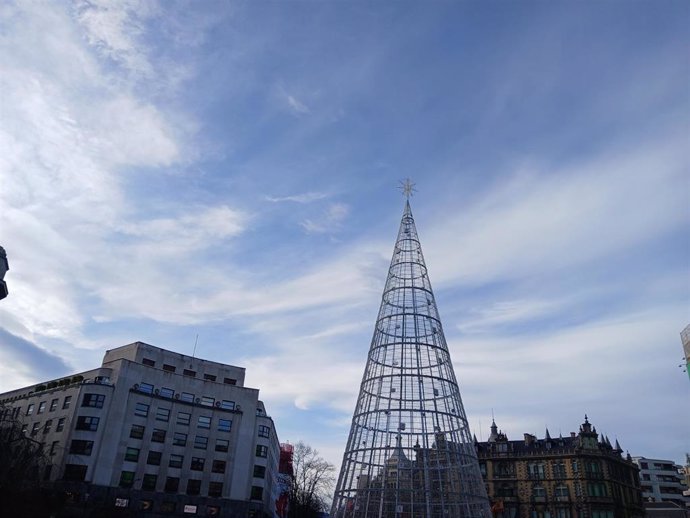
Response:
column 410, row 452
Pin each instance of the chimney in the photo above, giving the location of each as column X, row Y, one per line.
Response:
column 529, row 439
column 573, row 434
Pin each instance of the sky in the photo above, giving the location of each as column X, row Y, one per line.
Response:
column 228, row 170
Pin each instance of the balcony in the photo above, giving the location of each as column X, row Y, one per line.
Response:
column 595, row 475
column 504, row 475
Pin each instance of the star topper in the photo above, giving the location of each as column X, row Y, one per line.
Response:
column 407, row 188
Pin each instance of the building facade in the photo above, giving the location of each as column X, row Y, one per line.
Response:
column 156, row 432
column 579, row 476
column 662, row 481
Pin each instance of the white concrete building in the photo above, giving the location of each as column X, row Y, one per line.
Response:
column 661, row 481
column 158, row 432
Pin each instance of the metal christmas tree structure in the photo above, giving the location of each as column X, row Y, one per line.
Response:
column 410, row 453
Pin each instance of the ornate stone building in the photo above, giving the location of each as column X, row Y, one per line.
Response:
column 579, row 476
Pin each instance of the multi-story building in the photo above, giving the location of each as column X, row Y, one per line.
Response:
column 156, row 431
column 579, row 476
column 662, row 481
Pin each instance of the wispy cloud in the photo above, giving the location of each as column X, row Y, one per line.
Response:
column 330, row 222
column 306, row 197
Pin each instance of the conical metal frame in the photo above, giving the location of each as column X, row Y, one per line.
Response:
column 410, row 453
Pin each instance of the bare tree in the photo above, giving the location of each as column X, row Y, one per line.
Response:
column 312, row 482
column 22, row 466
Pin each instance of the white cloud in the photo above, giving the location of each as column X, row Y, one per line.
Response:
column 296, row 105
column 539, row 221
column 115, row 28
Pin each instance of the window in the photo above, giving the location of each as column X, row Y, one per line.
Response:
column 93, row 400
column 35, row 428
column 149, row 362
column 54, row 447
column 87, row 423
column 596, row 489
column 175, row 461
column 30, row 409
column 154, row 458
column 149, row 482
column 561, row 491
column 75, row 472
column 60, row 425
column 215, row 489
column 264, row 431
column 187, row 372
column 169, row 368
column 227, row 405
column 66, row 402
column 562, row 512
column 132, row 454
column 574, row 466
column 137, row 431
column 81, row 447
column 163, row 414
column 506, row 490
column 47, row 426
column 53, row 405
column 230, row 381
column 260, row 471
column 209, row 377
column 193, row 487
column 41, row 407
column 200, row 442
column 207, row 400
column 535, row 470
column 222, row 445
column 197, row 464
column 224, row 425
column 179, row 439
column 146, row 388
column 257, row 493
column 158, row 435
column 171, row 484
column 188, row 397
column 218, row 466
column 538, row 492
column 204, row 421
column 559, row 470
column 262, row 451
column 167, row 392
column 141, row 409
column 183, row 418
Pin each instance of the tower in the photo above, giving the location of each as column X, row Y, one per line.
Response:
column 410, row 452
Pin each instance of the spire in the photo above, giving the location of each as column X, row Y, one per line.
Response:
column 494, row 431
column 409, row 397
column 548, row 435
column 618, row 446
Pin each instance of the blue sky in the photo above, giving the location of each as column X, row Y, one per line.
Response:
column 229, row 170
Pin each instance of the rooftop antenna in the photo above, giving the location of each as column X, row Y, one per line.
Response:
column 196, row 340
